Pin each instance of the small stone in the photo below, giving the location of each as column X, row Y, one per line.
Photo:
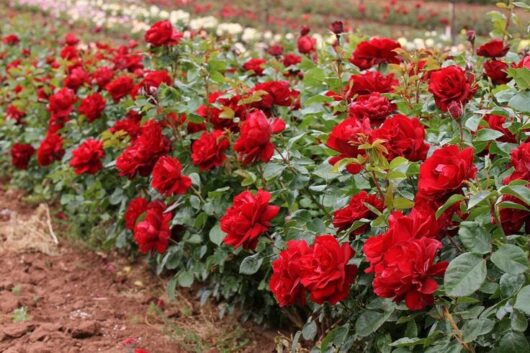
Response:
column 85, row 329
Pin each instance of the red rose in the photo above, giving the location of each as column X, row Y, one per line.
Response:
column 218, row 104
column 445, row 172
column 524, row 63
column 291, row 59
column 136, row 207
column 513, row 219
column 326, row 273
column 141, row 156
column 278, row 92
column 11, row 39
column 345, row 138
column 306, row 44
column 520, row 158
column 369, row 82
column 495, row 48
column 275, row 50
column 21, row 154
column 374, row 52
column 496, row 122
column 71, row 39
column 162, row 33
column 120, row 87
column 256, row 65
column 76, row 78
column 15, row 114
column 249, row 217
column 86, row 158
column 50, row 150
column 69, row 53
column 451, row 84
column 403, row 137
column 130, row 124
column 103, row 76
column 153, row 79
column 92, row 106
column 496, row 71
column 61, row 103
column 168, row 179
column 355, row 210
column 208, row 151
column 254, row 142
column 285, row 282
column 153, row 232
column 373, row 106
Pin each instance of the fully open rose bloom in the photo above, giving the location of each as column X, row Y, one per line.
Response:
column 208, row 151
column 496, row 71
column 153, row 232
column 120, row 87
column 370, row 82
column 168, row 178
column 86, row 158
column 162, row 33
column 355, row 210
column 451, row 84
column 21, row 154
column 520, row 158
column 61, row 103
column 256, row 65
column 495, row 48
column 249, row 217
column 345, row 138
column 92, row 106
column 373, row 106
column 50, row 150
column 445, row 172
column 374, row 52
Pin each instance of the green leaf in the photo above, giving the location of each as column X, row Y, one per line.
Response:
column 272, row 170
column 513, row 342
column 450, row 202
column 185, row 279
column 309, row 331
column 518, row 321
column 314, row 77
column 475, row 328
column 509, row 284
column 171, row 287
column 522, row 302
column 335, row 337
column 521, row 77
column 479, row 197
column 216, row 234
column 510, row 259
column 521, row 102
column 488, row 135
column 520, row 191
column 464, row 275
column 369, row 321
column 475, row 238
column 250, row 264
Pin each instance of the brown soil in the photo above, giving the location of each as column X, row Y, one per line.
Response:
column 68, row 299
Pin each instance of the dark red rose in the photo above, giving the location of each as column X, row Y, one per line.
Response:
column 219, row 103
column 326, row 273
column 495, row 48
column 512, row 219
column 102, row 76
column 445, row 172
column 346, row 138
column 86, row 158
column 15, row 114
column 254, row 142
column 373, row 106
column 249, row 217
column 141, row 156
column 306, row 44
column 355, row 210
column 451, row 84
column 162, row 33
column 369, row 82
column 520, row 158
column 275, row 50
column 92, row 106
column 153, row 232
column 256, row 65
column 337, row 27
column 278, row 92
column 291, row 59
column 153, row 79
column 130, row 124
column 71, row 39
column 11, row 39
column 168, row 179
column 285, row 282
column 61, row 103
column 120, row 87
column 76, row 78
column 50, row 150
column 496, row 71
column 208, row 151
column 403, row 137
column 69, row 53
column 135, row 209
column 21, row 154
column 497, row 122
column 374, row 52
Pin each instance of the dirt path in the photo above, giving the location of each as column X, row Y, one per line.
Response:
column 67, row 299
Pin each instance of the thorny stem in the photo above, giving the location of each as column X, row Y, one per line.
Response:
column 494, row 211
column 456, row 331
column 376, row 182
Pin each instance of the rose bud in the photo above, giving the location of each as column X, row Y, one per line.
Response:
column 455, row 110
column 337, row 27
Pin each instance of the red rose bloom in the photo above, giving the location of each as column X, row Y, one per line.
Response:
column 403, row 137
column 50, row 150
column 445, row 172
column 254, row 142
column 374, row 52
column 168, row 179
column 291, row 59
column 153, row 232
column 277, row 93
column 306, row 43
column 373, row 106
column 355, row 210
column 256, row 65
column 130, row 124
column 520, row 158
column 285, row 282
column 495, row 48
column 369, row 82
column 249, row 217
column 162, row 33
column 136, row 207
column 103, row 76
column 92, row 106
column 120, row 87
column 11, row 39
column 61, row 103
column 15, row 114
column 451, row 84
column 21, row 154
column 71, row 39
column 496, row 122
column 496, row 71
column 86, row 158
column 512, row 219
column 153, row 79
column 208, row 151
column 326, row 273
column 76, row 78
column 345, row 138
column 69, row 53
column 141, row 156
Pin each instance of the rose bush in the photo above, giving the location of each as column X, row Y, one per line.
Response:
column 373, row 198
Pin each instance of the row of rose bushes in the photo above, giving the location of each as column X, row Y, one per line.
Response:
column 372, row 197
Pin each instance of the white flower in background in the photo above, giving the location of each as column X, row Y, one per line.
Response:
column 203, row 23
column 179, row 16
column 229, row 28
column 250, row 34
